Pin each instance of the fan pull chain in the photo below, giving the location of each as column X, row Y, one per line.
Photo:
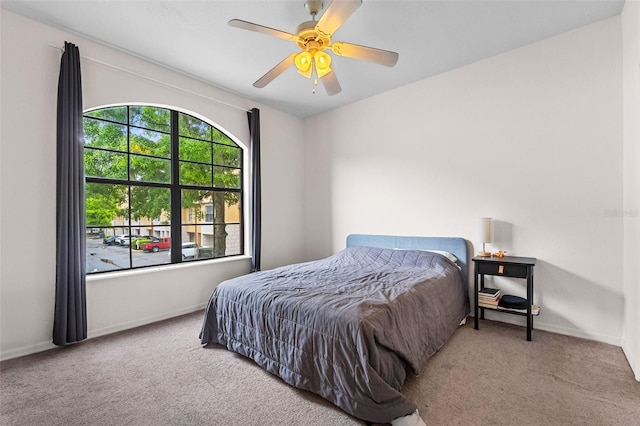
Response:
column 314, row 75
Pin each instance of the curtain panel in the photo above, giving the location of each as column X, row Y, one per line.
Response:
column 70, row 314
column 256, row 195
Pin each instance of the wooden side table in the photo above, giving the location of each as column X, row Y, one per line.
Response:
column 508, row 266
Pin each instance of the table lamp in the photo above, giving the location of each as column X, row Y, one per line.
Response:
column 485, row 234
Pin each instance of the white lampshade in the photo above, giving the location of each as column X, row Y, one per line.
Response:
column 485, row 230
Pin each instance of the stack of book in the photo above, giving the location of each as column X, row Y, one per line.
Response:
column 488, row 297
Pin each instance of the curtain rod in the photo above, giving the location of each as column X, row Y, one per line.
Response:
column 154, row 80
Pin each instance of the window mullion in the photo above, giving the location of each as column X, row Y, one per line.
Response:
column 129, row 233
column 176, row 196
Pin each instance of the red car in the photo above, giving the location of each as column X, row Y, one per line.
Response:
column 154, row 246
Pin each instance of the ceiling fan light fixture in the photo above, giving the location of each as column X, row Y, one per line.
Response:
column 323, row 63
column 313, row 38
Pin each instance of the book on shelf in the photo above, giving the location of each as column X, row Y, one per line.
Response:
column 482, row 297
column 489, row 297
column 489, row 292
column 535, row 309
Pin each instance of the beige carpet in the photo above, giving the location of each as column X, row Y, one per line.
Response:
column 160, row 375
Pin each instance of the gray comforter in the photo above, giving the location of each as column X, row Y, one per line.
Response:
column 349, row 327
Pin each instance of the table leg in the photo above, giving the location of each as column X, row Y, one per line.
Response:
column 475, row 295
column 529, row 301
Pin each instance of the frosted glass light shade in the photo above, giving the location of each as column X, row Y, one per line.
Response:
column 323, row 63
column 303, row 63
column 485, row 230
column 485, row 234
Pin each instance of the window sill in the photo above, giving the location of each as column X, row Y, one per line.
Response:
column 156, row 269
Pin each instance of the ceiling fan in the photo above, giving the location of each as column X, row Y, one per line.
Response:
column 314, row 39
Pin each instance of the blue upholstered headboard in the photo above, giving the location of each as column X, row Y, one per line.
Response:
column 455, row 245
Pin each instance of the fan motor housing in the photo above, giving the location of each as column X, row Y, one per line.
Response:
column 310, row 38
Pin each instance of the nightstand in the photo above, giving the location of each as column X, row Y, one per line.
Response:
column 508, row 266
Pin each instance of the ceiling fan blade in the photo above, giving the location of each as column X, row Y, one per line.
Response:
column 335, row 15
column 275, row 71
column 330, row 82
column 371, row 54
column 262, row 29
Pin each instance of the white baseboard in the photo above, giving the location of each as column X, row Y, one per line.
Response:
column 568, row 331
column 45, row 346
column 143, row 321
column 574, row 332
column 26, row 350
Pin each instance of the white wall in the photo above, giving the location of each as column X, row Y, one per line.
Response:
column 531, row 138
column 29, row 75
column 631, row 185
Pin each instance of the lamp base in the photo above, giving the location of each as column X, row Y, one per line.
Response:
column 484, row 254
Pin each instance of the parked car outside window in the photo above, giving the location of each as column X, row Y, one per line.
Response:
column 157, row 245
column 120, row 238
column 189, row 250
column 138, row 242
column 111, row 240
column 127, row 239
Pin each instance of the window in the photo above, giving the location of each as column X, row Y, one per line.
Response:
column 161, row 187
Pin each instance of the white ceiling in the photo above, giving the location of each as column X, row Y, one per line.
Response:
column 431, row 37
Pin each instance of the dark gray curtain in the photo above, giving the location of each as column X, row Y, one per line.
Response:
column 256, row 211
column 70, row 316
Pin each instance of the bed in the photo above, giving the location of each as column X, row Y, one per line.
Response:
column 350, row 327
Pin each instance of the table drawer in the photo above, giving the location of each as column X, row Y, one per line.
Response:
column 506, row 269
